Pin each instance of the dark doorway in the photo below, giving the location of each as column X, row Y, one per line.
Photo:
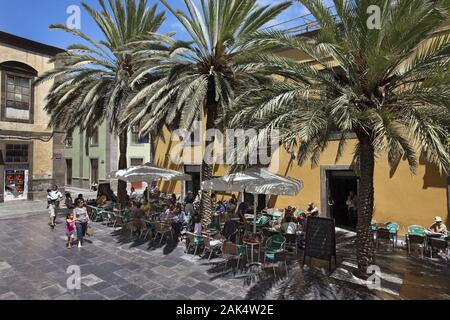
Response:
column 340, row 184
column 94, row 170
column 68, row 172
column 260, row 205
column 194, row 184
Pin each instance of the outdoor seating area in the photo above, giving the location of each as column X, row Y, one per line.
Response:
column 428, row 243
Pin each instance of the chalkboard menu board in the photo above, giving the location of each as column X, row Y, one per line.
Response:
column 320, row 241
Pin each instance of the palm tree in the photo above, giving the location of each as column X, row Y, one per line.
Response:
column 92, row 80
column 202, row 76
column 389, row 87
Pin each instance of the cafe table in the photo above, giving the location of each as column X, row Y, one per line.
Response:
column 252, row 244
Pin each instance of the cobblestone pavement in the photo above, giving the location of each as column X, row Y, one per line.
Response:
column 34, row 261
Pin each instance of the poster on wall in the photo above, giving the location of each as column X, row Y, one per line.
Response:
column 16, row 185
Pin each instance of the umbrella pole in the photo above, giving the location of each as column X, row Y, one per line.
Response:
column 255, row 209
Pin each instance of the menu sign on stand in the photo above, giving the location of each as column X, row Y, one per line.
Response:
column 320, row 242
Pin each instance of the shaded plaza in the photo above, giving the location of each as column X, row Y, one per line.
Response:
column 34, row 261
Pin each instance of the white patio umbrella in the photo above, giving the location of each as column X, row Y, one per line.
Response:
column 148, row 173
column 256, row 181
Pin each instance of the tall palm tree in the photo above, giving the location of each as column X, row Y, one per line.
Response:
column 388, row 86
column 201, row 76
column 92, row 78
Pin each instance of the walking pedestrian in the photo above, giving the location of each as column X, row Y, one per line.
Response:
column 54, row 197
column 82, row 220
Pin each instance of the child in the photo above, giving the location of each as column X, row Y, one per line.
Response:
column 70, row 229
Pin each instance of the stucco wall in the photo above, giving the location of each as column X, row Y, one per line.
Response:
column 42, row 152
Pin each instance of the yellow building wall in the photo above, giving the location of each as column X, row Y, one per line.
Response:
column 399, row 195
column 42, row 152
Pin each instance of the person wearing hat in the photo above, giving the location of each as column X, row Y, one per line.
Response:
column 439, row 227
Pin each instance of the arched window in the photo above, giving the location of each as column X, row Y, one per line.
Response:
column 17, row 92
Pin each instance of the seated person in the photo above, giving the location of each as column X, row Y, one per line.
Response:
column 289, row 226
column 133, row 194
column 289, row 213
column 173, row 199
column 178, row 219
column 233, row 200
column 438, row 227
column 189, row 207
column 168, row 214
column 137, row 214
column 198, row 228
column 94, row 186
column 312, row 210
column 146, row 207
column 230, row 228
column 102, row 200
column 220, row 208
column 154, row 190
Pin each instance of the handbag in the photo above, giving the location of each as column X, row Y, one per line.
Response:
column 89, row 231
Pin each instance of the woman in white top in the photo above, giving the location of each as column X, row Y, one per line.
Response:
column 81, row 220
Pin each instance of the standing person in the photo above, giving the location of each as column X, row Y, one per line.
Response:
column 242, row 210
column 351, row 207
column 70, row 229
column 69, row 202
column 81, row 220
column 188, row 197
column 54, row 197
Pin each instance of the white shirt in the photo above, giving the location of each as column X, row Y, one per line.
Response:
column 198, row 229
column 54, row 195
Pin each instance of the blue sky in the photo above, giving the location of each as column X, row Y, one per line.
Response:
column 31, row 18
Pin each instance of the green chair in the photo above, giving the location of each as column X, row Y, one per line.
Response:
column 416, row 230
column 263, row 221
column 278, row 257
column 393, row 231
column 275, row 243
column 416, row 235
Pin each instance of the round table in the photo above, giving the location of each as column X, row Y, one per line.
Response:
column 252, row 245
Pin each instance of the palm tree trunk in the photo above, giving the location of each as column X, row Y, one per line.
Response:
column 122, row 185
column 364, row 245
column 207, row 169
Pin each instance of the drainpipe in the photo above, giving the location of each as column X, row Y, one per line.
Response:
column 2, row 178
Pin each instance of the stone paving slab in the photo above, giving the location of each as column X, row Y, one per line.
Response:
column 114, row 267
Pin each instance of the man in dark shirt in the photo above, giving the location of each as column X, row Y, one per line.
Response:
column 230, row 228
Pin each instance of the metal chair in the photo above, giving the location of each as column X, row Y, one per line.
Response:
column 393, row 230
column 384, row 235
column 291, row 242
column 278, row 257
column 414, row 239
column 436, row 244
column 192, row 241
column 230, row 251
column 163, row 231
column 211, row 246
